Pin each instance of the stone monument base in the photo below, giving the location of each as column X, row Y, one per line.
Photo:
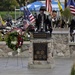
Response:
column 41, row 51
column 42, row 65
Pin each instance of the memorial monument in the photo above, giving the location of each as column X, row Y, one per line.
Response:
column 41, row 47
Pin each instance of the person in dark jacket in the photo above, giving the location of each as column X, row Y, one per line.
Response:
column 49, row 24
column 43, row 23
column 72, row 28
column 40, row 21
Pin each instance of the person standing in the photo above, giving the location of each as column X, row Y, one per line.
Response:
column 49, row 24
column 72, row 28
column 43, row 21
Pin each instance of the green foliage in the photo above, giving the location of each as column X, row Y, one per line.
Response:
column 24, row 2
column 73, row 70
column 32, row 0
column 0, row 37
column 66, row 13
column 8, row 5
column 26, row 38
column 12, row 37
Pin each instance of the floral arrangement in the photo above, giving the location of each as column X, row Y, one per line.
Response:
column 14, row 40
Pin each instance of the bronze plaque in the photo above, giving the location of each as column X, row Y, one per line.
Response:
column 40, row 51
column 41, row 35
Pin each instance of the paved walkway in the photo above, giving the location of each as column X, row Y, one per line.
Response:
column 19, row 66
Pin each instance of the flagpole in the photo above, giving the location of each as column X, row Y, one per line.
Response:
column 65, row 3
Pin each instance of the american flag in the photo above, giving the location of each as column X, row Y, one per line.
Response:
column 71, row 4
column 28, row 16
column 49, row 6
column 26, row 24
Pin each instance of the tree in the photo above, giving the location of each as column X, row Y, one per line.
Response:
column 67, row 14
column 8, row 4
column 21, row 2
column 24, row 2
column 11, row 4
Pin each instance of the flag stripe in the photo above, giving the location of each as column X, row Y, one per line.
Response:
column 32, row 19
column 71, row 5
column 49, row 6
column 72, row 9
column 29, row 18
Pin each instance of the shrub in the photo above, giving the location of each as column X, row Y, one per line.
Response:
column 73, row 69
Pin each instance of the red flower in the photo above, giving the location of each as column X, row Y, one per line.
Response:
column 19, row 41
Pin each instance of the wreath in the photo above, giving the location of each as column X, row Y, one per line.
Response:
column 14, row 40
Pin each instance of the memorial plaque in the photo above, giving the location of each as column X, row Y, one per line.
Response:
column 41, row 35
column 39, row 51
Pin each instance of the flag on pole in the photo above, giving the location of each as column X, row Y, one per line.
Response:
column 60, row 7
column 71, row 4
column 28, row 16
column 49, row 6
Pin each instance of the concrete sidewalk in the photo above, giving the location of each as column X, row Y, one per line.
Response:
column 19, row 66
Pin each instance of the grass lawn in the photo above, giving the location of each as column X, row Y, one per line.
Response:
column 5, row 14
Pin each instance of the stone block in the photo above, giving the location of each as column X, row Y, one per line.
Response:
column 12, row 53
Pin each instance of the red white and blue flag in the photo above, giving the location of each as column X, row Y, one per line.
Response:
column 49, row 6
column 71, row 4
column 28, row 18
column 28, row 15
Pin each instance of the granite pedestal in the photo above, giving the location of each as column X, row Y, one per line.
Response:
column 40, row 51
